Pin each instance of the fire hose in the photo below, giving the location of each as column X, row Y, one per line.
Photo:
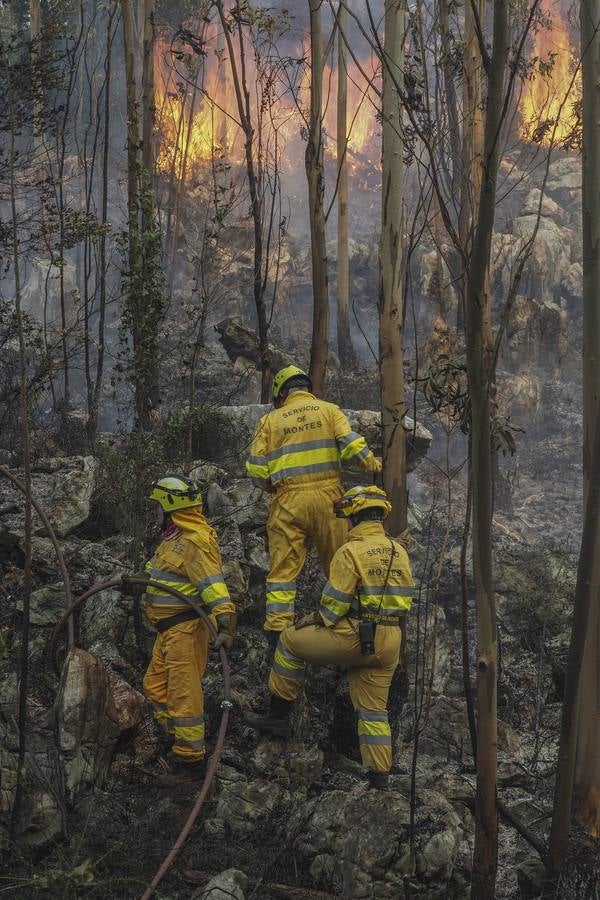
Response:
column 226, row 707
column 59, row 554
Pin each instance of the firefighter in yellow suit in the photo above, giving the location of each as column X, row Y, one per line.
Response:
column 295, row 455
column 188, row 560
column 357, row 626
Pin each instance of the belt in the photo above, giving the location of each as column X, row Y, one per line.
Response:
column 186, row 616
column 374, row 617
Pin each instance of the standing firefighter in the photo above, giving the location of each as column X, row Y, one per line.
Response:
column 357, row 626
column 296, row 455
column 188, row 560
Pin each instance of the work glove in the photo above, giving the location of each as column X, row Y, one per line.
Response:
column 371, row 463
column 130, row 589
column 226, row 626
column 312, row 618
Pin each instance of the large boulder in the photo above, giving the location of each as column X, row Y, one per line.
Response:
column 63, row 487
column 242, row 342
column 358, row 846
column 93, row 709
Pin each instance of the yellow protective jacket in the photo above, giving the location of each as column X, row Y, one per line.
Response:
column 190, row 562
column 302, row 442
column 370, row 575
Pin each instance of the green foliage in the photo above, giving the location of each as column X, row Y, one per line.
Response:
column 128, row 467
column 145, row 302
column 211, row 433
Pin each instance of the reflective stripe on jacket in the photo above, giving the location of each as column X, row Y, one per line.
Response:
column 370, row 574
column 192, row 567
column 303, row 441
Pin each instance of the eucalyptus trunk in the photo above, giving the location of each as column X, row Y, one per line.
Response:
column 391, row 300
column 578, row 777
column 479, row 368
column 344, row 339
column 237, row 61
column 315, row 174
column 471, row 168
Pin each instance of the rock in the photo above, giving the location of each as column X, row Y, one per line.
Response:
column 444, row 648
column 564, row 175
column 573, row 282
column 241, row 502
column 62, row 487
column 47, row 604
column 536, row 332
column 247, row 805
column 240, row 341
column 549, row 207
column 519, row 396
column 206, row 473
column 531, row 877
column 257, row 554
column 357, row 845
column 228, row 885
column 236, row 579
column 296, row 764
column 90, row 719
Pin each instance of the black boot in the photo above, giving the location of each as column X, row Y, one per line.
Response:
column 172, row 770
column 273, row 639
column 277, row 720
column 378, row 781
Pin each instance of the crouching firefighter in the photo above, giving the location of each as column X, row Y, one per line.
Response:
column 188, row 560
column 357, row 626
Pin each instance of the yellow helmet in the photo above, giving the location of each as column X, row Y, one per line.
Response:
column 359, row 498
column 284, row 376
column 175, row 492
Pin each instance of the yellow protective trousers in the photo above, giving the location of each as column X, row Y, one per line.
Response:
column 173, row 686
column 369, row 676
column 299, row 514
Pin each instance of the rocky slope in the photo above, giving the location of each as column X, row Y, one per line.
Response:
column 289, row 820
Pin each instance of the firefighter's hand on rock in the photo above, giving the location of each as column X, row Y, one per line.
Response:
column 130, row 587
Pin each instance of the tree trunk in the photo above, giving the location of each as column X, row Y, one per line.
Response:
column 344, row 339
column 148, row 104
column 238, row 73
column 391, row 317
column 587, row 767
column 472, row 145
column 479, row 373
column 25, row 440
column 133, row 136
column 315, row 174
column 578, row 778
column 102, row 262
column 38, row 105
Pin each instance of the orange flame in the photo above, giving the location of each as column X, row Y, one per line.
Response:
column 546, row 105
column 197, row 115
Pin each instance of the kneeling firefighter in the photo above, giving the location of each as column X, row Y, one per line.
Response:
column 295, row 455
column 188, row 560
column 357, row 626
